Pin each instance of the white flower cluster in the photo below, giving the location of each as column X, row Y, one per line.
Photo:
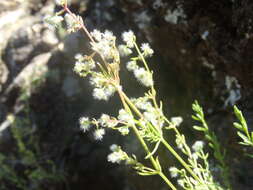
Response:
column 117, row 154
column 124, row 50
column 180, row 141
column 83, row 65
column 176, row 121
column 198, row 146
column 74, row 22
column 103, row 89
column 142, row 103
column 84, row 123
column 99, row 134
column 106, row 121
column 125, row 117
column 132, row 65
column 124, row 130
column 129, row 38
column 147, row 51
column 144, row 77
column 154, row 116
column 110, row 122
column 104, row 44
column 174, row 172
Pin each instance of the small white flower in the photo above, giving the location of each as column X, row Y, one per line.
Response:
column 125, row 117
column 98, row 134
column 151, row 117
column 124, row 130
column 195, row 156
column 97, row 80
column 109, row 90
column 99, row 94
column 104, row 119
column 114, row 147
column 115, row 157
column 198, row 146
column 124, row 50
column 173, row 172
column 96, row 34
column 129, row 38
column 74, row 22
column 147, row 51
column 84, row 123
column 142, row 103
column 181, row 182
column 78, row 68
column 144, row 77
column 84, row 68
column 108, row 36
column 180, row 141
column 176, row 120
column 132, row 66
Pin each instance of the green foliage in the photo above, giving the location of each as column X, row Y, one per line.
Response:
column 242, row 129
column 35, row 171
column 243, row 132
column 213, row 142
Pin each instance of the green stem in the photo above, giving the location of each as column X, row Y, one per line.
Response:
column 144, row 145
column 180, row 159
column 167, row 181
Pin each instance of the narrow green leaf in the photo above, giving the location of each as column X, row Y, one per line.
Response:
column 245, row 138
column 237, row 125
column 199, row 128
column 195, row 118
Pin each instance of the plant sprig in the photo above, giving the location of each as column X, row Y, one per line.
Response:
column 213, row 142
column 243, row 131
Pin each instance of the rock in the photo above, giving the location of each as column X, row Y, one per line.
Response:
column 35, row 70
column 70, row 86
column 4, row 72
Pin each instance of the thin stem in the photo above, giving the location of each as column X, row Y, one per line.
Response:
column 167, row 181
column 82, row 25
column 180, row 159
column 144, row 145
column 142, row 57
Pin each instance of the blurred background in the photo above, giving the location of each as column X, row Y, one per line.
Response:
column 203, row 51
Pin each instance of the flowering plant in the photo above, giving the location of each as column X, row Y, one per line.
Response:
column 143, row 115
